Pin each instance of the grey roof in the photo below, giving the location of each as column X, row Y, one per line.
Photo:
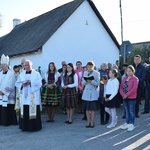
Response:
column 31, row 35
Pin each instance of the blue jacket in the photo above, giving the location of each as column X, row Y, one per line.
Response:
column 140, row 73
column 102, row 72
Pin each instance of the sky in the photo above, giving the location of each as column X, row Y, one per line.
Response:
column 136, row 15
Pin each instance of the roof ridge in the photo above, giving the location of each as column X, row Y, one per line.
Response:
column 50, row 11
column 31, row 35
column 34, row 33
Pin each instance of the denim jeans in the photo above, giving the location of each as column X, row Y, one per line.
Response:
column 147, row 97
column 129, row 106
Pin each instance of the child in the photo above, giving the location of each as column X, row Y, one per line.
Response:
column 111, row 91
column 103, row 114
column 128, row 91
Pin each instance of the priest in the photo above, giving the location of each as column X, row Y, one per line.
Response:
column 7, row 94
column 29, row 84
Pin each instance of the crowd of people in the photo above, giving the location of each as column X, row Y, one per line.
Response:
column 85, row 88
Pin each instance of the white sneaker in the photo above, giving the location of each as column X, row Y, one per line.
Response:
column 111, row 126
column 131, row 127
column 125, row 126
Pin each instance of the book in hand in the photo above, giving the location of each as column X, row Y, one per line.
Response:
column 88, row 77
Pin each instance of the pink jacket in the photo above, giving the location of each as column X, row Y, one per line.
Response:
column 80, row 86
column 132, row 87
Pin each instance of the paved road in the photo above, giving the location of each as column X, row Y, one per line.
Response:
column 61, row 136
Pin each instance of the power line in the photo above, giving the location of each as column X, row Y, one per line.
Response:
column 130, row 21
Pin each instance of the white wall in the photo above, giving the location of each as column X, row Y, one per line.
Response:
column 35, row 58
column 75, row 40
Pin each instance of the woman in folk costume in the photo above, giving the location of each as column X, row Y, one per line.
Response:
column 7, row 94
column 91, row 81
column 79, row 71
column 69, row 91
column 29, row 84
column 51, row 94
column 64, row 70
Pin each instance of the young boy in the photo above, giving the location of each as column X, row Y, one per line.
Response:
column 104, row 116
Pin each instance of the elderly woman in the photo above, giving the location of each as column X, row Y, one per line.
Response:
column 103, row 70
column 91, row 81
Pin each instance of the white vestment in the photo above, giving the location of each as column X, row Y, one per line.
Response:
column 7, row 86
column 29, row 95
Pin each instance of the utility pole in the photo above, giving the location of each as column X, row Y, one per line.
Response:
column 124, row 46
column 120, row 5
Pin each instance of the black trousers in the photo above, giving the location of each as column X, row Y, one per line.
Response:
column 8, row 115
column 27, row 124
column 138, row 99
column 104, row 116
column 147, row 98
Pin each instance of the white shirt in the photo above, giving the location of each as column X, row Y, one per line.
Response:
column 112, row 87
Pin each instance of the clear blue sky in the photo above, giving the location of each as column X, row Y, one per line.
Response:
column 136, row 15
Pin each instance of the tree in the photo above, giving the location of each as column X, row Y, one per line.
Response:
column 135, row 51
column 142, row 50
column 145, row 53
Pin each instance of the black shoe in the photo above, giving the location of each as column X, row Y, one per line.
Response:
column 92, row 126
column 79, row 112
column 69, row 122
column 106, row 122
column 102, row 123
column 66, row 121
column 51, row 121
column 145, row 112
column 84, row 118
column 65, row 113
column 137, row 116
column 87, row 126
column 48, row 121
column 123, row 117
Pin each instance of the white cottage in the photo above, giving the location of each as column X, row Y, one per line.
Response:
column 74, row 31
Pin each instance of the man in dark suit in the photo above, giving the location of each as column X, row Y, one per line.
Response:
column 62, row 63
column 147, row 91
column 140, row 73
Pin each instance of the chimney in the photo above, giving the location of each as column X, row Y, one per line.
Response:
column 16, row 22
